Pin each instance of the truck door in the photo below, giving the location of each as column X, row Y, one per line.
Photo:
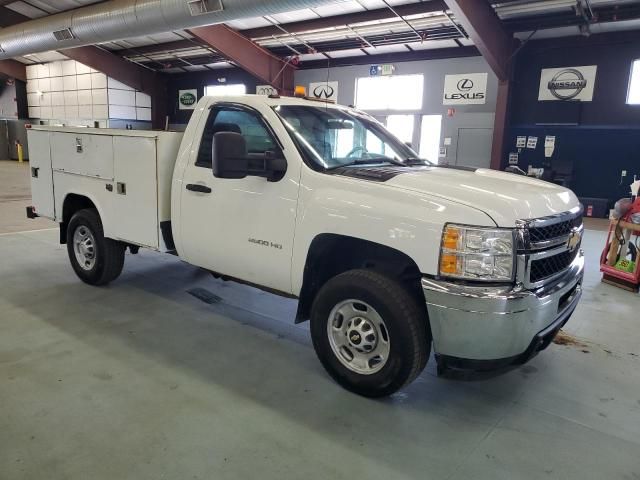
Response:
column 242, row 228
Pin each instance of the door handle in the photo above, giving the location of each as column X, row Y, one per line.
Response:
column 196, row 187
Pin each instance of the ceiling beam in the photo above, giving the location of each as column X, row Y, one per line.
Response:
column 408, row 56
column 249, row 56
column 498, row 47
column 347, row 19
column 486, row 30
column 158, row 47
column 9, row 17
column 13, row 69
column 132, row 75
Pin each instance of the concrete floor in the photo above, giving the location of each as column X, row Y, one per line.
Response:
column 141, row 380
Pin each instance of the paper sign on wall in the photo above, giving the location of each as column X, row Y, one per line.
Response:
column 566, row 84
column 324, row 90
column 187, row 99
column 467, row 89
column 266, row 90
column 549, row 145
column 513, row 158
column 532, row 142
column 521, row 142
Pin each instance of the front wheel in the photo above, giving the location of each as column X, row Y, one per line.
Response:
column 95, row 259
column 370, row 333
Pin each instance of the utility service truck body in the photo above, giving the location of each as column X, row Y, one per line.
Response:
column 387, row 253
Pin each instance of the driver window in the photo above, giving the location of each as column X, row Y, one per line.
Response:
column 246, row 123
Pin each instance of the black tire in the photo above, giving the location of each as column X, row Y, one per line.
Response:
column 108, row 254
column 405, row 320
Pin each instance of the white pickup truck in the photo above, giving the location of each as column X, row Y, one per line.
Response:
column 388, row 254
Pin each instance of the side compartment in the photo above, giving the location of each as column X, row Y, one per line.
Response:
column 41, row 174
column 82, row 154
column 134, row 201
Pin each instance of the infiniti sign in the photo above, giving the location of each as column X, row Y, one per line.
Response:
column 327, row 91
column 324, row 92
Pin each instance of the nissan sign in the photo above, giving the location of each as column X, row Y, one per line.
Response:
column 468, row 89
column 565, row 84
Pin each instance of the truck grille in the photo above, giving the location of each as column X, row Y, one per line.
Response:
column 548, row 267
column 544, row 251
column 550, row 232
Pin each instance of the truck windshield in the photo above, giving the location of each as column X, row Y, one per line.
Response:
column 333, row 138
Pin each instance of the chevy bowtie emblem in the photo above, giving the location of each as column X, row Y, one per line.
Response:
column 574, row 240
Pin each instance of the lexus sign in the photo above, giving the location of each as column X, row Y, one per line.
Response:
column 467, row 89
column 568, row 84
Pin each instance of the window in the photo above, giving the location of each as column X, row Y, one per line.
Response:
column 247, row 123
column 401, row 126
column 335, row 137
column 224, row 90
column 430, row 137
column 633, row 97
column 401, row 92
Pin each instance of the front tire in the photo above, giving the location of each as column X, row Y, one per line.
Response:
column 370, row 334
column 95, row 259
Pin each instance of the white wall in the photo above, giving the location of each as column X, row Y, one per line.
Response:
column 72, row 93
column 434, row 72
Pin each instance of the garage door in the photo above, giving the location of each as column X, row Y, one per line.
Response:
column 474, row 147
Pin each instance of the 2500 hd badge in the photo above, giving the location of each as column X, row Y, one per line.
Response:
column 265, row 243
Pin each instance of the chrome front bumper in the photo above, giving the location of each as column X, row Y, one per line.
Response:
column 499, row 325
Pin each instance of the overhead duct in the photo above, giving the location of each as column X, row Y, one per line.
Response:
column 120, row 19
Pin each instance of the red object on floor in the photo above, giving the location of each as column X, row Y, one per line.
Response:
column 609, row 259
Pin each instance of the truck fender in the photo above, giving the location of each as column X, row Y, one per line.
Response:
column 332, row 254
column 70, row 205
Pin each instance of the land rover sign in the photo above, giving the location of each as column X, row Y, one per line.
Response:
column 187, row 99
column 566, row 84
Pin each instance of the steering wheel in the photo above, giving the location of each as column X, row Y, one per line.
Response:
column 357, row 149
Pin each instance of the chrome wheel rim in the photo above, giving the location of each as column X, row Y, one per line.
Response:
column 358, row 337
column 84, row 247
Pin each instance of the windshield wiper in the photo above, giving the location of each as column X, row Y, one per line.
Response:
column 416, row 161
column 369, row 161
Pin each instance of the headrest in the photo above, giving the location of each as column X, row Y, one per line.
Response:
column 226, row 127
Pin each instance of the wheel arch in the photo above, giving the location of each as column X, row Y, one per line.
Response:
column 72, row 203
column 332, row 254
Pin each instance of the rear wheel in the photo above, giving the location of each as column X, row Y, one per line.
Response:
column 370, row 333
column 95, row 259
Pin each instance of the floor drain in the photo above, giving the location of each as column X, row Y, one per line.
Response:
column 205, row 295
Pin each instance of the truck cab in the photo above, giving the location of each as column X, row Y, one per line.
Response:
column 389, row 255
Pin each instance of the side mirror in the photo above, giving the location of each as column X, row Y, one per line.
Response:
column 229, row 157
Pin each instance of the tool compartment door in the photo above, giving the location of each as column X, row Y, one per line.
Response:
column 84, row 154
column 41, row 174
column 134, row 205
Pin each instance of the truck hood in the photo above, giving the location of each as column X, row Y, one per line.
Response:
column 505, row 197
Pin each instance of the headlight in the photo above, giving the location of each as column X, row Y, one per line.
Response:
column 476, row 253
